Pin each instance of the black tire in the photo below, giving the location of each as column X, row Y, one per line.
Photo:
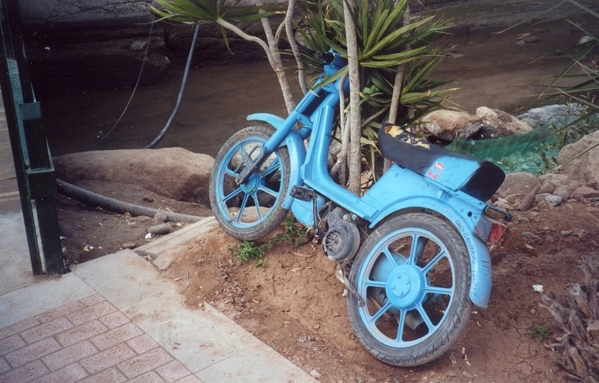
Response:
column 416, row 297
column 254, row 209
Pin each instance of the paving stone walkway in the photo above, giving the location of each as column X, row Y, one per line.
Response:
column 86, row 341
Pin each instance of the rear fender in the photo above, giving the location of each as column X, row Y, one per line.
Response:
column 295, row 146
column 480, row 260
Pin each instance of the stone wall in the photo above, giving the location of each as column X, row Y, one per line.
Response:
column 83, row 12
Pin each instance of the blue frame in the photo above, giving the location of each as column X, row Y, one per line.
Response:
column 398, row 189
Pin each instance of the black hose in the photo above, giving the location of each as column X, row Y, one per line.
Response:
column 96, row 200
column 141, row 70
column 180, row 95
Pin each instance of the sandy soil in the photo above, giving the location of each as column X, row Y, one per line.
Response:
column 92, row 232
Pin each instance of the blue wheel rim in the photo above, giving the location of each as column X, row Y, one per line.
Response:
column 247, row 205
column 408, row 281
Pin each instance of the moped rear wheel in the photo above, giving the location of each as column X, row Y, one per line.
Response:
column 251, row 210
column 413, row 275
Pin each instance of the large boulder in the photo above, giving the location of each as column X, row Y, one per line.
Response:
column 582, row 168
column 450, row 125
column 498, row 123
column 172, row 172
column 544, row 115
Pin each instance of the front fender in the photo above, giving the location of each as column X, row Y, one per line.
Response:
column 295, row 147
column 480, row 260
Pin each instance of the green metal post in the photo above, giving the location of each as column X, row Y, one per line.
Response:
column 33, row 163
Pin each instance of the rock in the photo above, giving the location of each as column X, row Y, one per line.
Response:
column 166, row 259
column 553, row 200
column 467, row 375
column 585, row 192
column 454, row 55
column 129, row 245
column 172, row 172
column 559, row 180
column 516, row 186
column 585, row 167
column 159, row 218
column 142, row 219
column 531, row 39
column 529, row 235
column 315, row 374
column 546, row 114
column 592, row 184
column 497, row 123
column 554, row 179
column 547, row 188
column 581, row 233
column 562, row 191
column 541, row 197
column 160, row 229
column 450, row 125
column 520, row 42
column 566, row 233
column 522, row 218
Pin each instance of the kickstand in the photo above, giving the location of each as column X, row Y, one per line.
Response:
column 340, row 274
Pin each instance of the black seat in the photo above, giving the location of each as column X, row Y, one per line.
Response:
column 477, row 178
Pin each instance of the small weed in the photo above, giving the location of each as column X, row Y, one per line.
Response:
column 539, row 332
column 249, row 250
column 294, row 232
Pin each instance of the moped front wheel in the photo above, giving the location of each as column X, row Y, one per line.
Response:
column 413, row 277
column 253, row 209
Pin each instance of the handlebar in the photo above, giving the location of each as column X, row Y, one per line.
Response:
column 326, row 57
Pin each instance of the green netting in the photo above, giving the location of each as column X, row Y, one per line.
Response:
column 532, row 152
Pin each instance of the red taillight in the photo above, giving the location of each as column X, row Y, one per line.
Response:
column 498, row 233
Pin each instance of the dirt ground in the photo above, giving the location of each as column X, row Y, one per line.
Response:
column 92, row 232
column 296, row 305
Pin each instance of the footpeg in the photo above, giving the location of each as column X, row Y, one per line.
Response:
column 303, row 194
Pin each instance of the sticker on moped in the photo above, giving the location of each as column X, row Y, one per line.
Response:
column 436, row 170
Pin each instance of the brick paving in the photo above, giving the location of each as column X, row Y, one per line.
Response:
column 88, row 341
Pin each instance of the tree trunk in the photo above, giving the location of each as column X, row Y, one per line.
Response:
column 354, row 159
column 397, row 88
column 301, row 74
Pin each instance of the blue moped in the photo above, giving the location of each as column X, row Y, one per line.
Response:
column 424, row 261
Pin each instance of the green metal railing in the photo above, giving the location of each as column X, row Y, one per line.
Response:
column 33, row 163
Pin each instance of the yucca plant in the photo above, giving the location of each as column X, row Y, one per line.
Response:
column 394, row 58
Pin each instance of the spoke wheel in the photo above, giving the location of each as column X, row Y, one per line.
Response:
column 251, row 210
column 413, row 274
